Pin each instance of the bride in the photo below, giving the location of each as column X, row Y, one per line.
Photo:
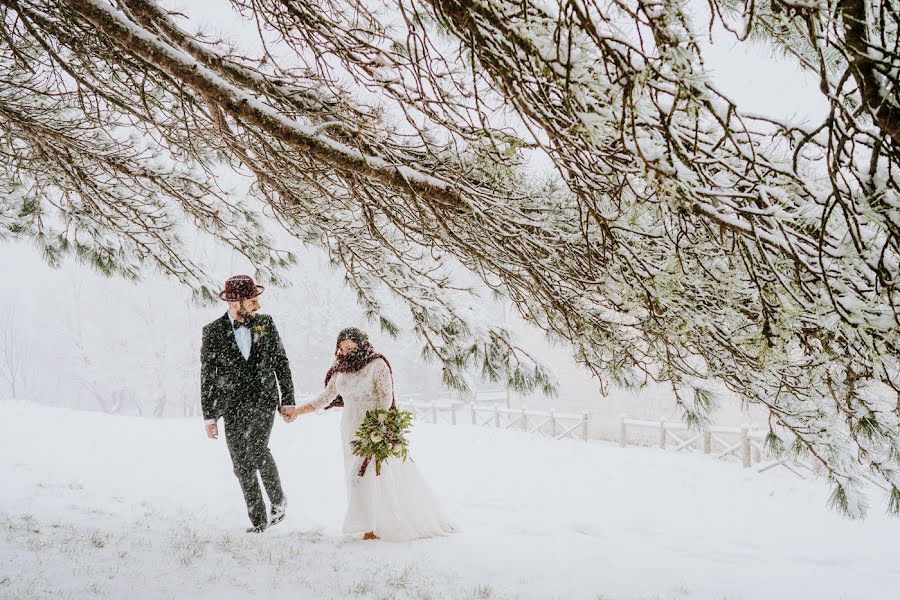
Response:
column 398, row 504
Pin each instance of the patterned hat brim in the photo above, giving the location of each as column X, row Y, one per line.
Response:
column 227, row 298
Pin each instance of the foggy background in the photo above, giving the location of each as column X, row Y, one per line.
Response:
column 73, row 338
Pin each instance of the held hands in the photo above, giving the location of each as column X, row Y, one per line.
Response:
column 290, row 413
column 212, row 431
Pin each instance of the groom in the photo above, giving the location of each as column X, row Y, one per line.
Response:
column 243, row 367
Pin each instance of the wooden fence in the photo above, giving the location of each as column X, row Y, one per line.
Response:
column 745, row 443
column 557, row 425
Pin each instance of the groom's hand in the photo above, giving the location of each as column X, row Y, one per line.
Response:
column 288, row 413
column 212, row 431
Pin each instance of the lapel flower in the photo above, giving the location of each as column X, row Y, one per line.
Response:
column 259, row 331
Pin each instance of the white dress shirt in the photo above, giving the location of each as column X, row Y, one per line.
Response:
column 244, row 339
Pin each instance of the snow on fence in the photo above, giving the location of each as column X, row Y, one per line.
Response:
column 550, row 423
column 745, row 443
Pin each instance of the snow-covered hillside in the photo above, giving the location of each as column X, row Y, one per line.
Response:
column 94, row 506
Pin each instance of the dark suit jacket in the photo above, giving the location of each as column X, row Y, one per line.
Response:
column 223, row 373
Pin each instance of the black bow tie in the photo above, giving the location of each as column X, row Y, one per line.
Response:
column 239, row 324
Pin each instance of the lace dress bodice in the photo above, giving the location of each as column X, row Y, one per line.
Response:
column 370, row 387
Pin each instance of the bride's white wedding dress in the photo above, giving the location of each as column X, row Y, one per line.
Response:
column 397, row 505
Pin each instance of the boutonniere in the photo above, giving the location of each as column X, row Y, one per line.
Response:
column 259, row 331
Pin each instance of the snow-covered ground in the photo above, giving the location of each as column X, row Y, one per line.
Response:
column 96, row 506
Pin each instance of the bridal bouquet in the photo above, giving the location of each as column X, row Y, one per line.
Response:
column 381, row 436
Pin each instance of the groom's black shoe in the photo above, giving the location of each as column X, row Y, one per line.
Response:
column 278, row 512
column 258, row 529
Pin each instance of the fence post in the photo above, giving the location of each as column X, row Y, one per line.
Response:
column 586, row 425
column 662, row 433
column 474, row 413
column 552, row 423
column 707, row 442
column 524, row 419
column 452, row 413
column 496, row 416
column 745, row 446
column 756, row 454
column 623, row 432
column 434, row 417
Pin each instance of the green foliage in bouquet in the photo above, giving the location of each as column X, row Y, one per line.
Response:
column 381, row 436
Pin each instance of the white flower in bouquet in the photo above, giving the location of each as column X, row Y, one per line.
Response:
column 398, row 447
column 382, row 417
column 376, row 437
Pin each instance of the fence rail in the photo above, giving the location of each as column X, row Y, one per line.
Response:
column 745, row 443
column 557, row 425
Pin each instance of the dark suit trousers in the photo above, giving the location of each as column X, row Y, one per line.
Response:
column 247, row 436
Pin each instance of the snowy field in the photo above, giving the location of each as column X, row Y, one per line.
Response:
column 95, row 506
